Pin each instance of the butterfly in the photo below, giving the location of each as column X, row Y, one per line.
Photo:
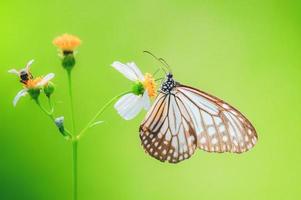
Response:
column 183, row 119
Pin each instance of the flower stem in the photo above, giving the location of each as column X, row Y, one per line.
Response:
column 102, row 109
column 74, row 141
column 74, row 168
column 71, row 100
column 49, row 114
column 50, row 105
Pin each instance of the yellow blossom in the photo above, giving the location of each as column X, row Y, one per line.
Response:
column 67, row 42
column 150, row 85
column 32, row 83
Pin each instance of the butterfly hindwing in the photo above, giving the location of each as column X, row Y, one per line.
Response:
column 186, row 118
column 219, row 127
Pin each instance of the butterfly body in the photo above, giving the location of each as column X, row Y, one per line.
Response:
column 168, row 84
column 183, row 119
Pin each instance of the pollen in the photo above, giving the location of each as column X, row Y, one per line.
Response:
column 150, row 85
column 32, row 83
column 67, row 42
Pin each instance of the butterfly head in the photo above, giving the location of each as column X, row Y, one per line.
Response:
column 168, row 84
column 169, row 75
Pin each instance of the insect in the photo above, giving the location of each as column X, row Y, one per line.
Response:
column 183, row 119
column 23, row 74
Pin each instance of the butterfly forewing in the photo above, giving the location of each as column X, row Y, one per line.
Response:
column 187, row 118
column 165, row 133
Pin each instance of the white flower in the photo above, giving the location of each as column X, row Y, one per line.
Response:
column 36, row 83
column 129, row 105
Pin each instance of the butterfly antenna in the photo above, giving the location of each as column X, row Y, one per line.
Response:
column 155, row 73
column 160, row 60
column 159, row 79
column 166, row 64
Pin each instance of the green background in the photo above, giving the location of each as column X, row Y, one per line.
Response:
column 245, row 52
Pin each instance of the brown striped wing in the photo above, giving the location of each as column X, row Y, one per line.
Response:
column 188, row 118
column 164, row 135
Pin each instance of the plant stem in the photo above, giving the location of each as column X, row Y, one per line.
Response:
column 50, row 105
column 98, row 114
column 74, row 168
column 74, row 141
column 49, row 114
column 71, row 100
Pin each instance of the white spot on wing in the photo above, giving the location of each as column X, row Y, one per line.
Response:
column 174, row 143
column 203, row 140
column 225, row 138
column 214, row 141
column 211, row 131
column 168, row 136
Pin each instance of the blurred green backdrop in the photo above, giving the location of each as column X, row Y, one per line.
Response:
column 245, row 52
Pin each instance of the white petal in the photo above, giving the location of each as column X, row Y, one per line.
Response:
column 45, row 79
column 137, row 71
column 129, row 105
column 28, row 65
column 124, row 100
column 135, row 109
column 146, row 101
column 13, row 71
column 20, row 94
column 131, row 72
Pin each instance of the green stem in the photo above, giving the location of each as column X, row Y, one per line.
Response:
column 49, row 114
column 74, row 141
column 71, row 100
column 81, row 133
column 74, row 168
column 50, row 105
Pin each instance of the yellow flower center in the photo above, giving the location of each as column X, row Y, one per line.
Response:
column 149, row 84
column 67, row 42
column 32, row 83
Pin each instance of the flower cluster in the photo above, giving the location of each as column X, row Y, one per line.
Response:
column 34, row 86
column 128, row 106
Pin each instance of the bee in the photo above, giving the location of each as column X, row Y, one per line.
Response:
column 23, row 74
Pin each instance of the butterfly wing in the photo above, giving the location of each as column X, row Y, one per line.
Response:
column 218, row 126
column 188, row 118
column 166, row 133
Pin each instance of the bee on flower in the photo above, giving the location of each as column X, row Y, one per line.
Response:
column 144, row 88
column 67, row 44
column 32, row 86
column 24, row 74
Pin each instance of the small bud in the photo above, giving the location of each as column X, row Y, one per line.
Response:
column 34, row 93
column 138, row 88
column 49, row 89
column 68, row 61
column 59, row 122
